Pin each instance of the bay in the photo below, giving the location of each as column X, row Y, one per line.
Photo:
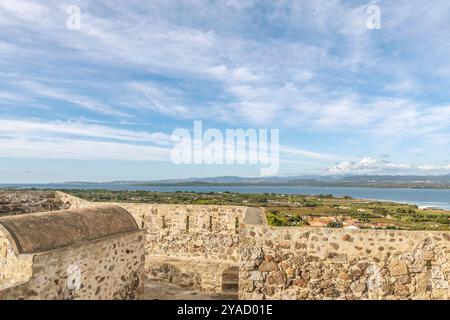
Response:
column 438, row 198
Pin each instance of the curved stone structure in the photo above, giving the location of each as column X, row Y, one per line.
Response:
column 40, row 232
column 88, row 253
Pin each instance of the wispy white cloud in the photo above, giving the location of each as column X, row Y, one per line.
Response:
column 266, row 79
column 370, row 165
column 51, row 92
column 293, row 152
column 154, row 97
column 295, row 65
column 81, row 140
column 40, row 129
column 26, row 11
column 80, row 150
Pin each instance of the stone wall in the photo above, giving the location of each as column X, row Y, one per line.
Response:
column 188, row 245
column 72, row 202
column 321, row 263
column 109, row 268
column 191, row 245
column 204, row 247
column 13, row 269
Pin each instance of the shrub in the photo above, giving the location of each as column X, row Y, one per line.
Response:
column 274, row 221
column 334, row 224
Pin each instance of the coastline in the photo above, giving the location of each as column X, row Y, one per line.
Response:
column 427, row 198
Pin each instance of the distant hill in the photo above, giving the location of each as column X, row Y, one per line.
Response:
column 375, row 181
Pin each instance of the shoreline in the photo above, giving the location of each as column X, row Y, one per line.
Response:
column 288, row 190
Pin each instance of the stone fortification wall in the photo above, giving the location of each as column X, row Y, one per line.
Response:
column 203, row 246
column 13, row 269
column 191, row 245
column 188, row 245
column 320, row 263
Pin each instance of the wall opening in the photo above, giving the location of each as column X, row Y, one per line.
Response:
column 187, row 223
column 142, row 221
column 236, row 225
column 164, row 225
column 230, row 282
column 210, row 224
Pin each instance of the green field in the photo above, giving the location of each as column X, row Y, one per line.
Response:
column 296, row 210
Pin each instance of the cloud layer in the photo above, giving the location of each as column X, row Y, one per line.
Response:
column 375, row 166
column 137, row 70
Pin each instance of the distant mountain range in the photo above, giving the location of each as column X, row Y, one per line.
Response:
column 374, row 181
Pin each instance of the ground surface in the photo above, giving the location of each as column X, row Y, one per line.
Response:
column 156, row 290
column 28, row 201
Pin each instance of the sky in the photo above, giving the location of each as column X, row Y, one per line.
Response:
column 99, row 100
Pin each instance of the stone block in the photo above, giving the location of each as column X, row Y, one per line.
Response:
column 277, row 278
column 398, row 268
column 268, row 266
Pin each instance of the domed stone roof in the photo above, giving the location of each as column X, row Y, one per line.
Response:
column 40, row 232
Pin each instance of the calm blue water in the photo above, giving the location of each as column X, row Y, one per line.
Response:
column 439, row 198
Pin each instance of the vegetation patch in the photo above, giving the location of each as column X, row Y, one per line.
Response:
column 297, row 210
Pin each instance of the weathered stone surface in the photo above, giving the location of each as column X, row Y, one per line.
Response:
column 300, row 283
column 197, row 256
column 267, row 266
column 398, row 268
column 386, row 289
column 344, row 276
column 335, row 264
column 40, row 232
column 199, row 243
column 401, row 290
column 99, row 269
column 256, row 276
column 276, row 278
column 284, row 245
column 14, row 202
column 290, row 272
column 422, row 282
column 347, row 237
column 246, row 286
column 428, row 255
column 209, row 252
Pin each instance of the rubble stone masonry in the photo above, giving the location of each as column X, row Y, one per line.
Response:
column 224, row 249
column 190, row 245
column 321, row 263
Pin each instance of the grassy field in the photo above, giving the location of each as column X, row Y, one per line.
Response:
column 297, row 210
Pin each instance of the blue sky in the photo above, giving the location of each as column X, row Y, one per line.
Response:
column 99, row 103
